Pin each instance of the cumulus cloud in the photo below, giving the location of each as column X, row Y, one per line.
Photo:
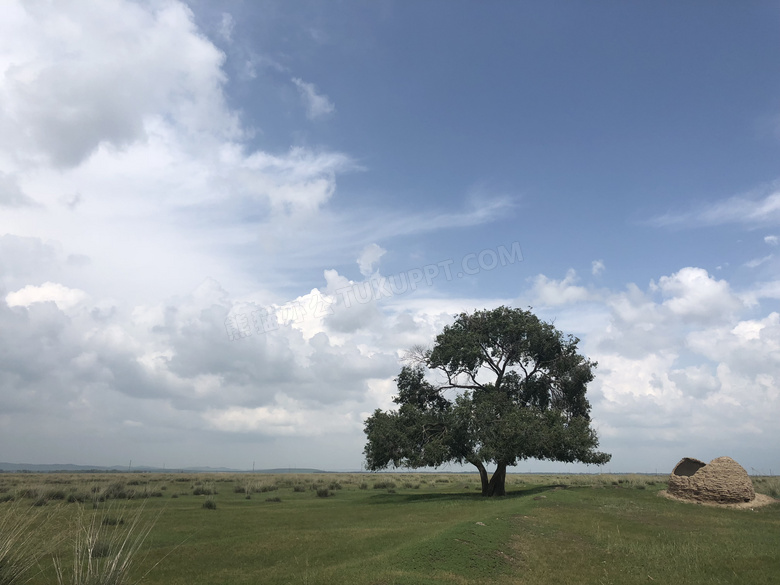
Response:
column 665, row 374
column 317, row 105
column 149, row 158
column 62, row 296
column 551, row 292
column 179, row 355
column 129, row 129
column 597, row 267
column 763, row 290
column 692, row 294
column 81, row 75
column 681, row 370
column 750, row 347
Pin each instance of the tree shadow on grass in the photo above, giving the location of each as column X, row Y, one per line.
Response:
column 473, row 496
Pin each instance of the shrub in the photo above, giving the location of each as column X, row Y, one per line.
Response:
column 117, row 491
column 56, row 494
column 28, row 492
column 111, row 521
column 210, row 504
column 203, row 490
column 299, row 488
column 363, row 485
column 79, row 497
column 381, row 485
column 274, row 499
column 147, row 493
column 334, row 485
column 323, row 492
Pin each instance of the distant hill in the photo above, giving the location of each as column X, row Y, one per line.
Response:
column 70, row 468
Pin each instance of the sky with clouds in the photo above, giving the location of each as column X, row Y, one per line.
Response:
column 223, row 223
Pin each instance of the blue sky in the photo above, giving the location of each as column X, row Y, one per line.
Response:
column 168, row 167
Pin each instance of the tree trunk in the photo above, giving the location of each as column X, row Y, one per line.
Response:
column 483, row 476
column 497, row 484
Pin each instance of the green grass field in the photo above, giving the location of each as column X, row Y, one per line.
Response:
column 383, row 529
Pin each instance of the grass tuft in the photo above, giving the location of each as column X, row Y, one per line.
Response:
column 104, row 549
column 19, row 552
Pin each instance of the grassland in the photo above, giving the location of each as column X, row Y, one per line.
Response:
column 379, row 529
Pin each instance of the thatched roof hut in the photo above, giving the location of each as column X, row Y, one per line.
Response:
column 721, row 480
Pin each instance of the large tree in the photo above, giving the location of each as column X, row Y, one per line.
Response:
column 510, row 387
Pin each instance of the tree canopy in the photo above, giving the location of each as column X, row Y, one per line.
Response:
column 507, row 387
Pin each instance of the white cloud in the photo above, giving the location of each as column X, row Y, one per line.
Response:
column 226, row 26
column 369, row 257
column 76, row 76
column 760, row 208
column 759, row 261
column 597, row 267
column 62, row 296
column 285, row 418
column 771, row 240
column 763, row 290
column 751, row 346
column 551, row 292
column 672, row 380
column 692, row 294
column 317, row 105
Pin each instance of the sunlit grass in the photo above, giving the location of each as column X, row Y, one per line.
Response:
column 411, row 528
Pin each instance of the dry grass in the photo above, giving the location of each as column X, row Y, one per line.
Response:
column 104, row 551
column 20, row 551
column 767, row 485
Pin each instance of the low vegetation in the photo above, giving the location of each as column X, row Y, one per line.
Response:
column 374, row 529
